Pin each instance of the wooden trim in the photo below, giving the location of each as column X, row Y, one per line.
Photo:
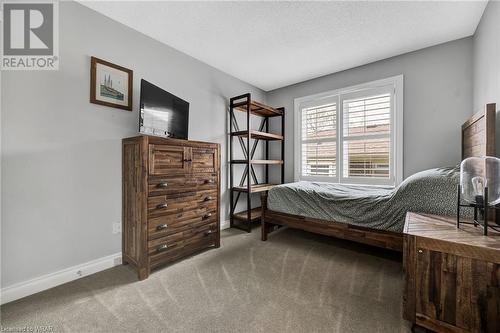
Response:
column 217, row 168
column 145, row 268
column 409, row 267
column 180, row 142
column 380, row 238
column 490, row 114
column 440, row 234
column 437, row 325
column 463, row 250
column 482, row 137
column 93, row 67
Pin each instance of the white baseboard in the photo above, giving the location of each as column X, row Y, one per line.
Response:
column 224, row 225
column 36, row 285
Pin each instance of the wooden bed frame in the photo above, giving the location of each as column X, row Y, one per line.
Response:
column 478, row 139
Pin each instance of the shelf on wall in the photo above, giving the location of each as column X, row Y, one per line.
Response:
column 257, row 161
column 258, row 135
column 255, row 215
column 258, row 109
column 254, row 188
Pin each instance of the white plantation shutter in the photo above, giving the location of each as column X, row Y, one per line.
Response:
column 349, row 136
column 367, row 136
column 319, row 140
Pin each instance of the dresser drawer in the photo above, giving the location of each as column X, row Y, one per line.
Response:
column 201, row 233
column 201, row 237
column 203, row 160
column 182, row 184
column 169, row 224
column 181, row 202
column 169, row 159
column 168, row 248
column 161, row 246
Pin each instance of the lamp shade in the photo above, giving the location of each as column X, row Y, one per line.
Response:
column 477, row 173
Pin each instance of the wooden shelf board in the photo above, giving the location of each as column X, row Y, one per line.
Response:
column 259, row 135
column 257, row 161
column 255, row 214
column 255, row 188
column 258, row 109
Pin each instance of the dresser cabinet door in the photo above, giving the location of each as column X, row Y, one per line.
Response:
column 171, row 160
column 458, row 292
column 204, row 160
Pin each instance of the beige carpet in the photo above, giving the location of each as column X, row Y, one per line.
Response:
column 294, row 282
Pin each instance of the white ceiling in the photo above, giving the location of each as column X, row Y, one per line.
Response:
column 275, row 44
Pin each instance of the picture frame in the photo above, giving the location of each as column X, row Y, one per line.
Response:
column 110, row 84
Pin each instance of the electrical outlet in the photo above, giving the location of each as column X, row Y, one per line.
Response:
column 117, row 228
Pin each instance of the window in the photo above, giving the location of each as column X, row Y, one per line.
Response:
column 352, row 135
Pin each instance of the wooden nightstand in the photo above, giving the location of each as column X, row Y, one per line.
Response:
column 452, row 276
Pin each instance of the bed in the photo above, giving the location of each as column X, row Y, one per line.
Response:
column 375, row 215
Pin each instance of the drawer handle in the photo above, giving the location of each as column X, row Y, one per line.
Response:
column 188, row 160
column 209, row 181
column 161, row 206
column 161, row 227
column 164, row 247
column 206, row 216
column 209, row 232
column 208, row 198
column 162, row 185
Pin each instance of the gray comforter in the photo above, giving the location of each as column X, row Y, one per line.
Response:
column 432, row 191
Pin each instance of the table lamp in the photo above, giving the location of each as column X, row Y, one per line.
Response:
column 479, row 188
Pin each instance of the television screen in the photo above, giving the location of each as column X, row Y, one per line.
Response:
column 161, row 113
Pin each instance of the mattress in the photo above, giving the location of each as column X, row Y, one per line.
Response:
column 432, row 191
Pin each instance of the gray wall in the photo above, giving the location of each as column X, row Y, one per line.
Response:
column 487, row 62
column 437, row 100
column 61, row 155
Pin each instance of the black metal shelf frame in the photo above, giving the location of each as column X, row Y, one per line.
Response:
column 249, row 176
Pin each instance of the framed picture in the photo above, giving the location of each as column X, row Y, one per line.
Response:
column 110, row 84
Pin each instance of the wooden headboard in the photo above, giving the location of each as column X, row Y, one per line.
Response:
column 478, row 133
column 478, row 139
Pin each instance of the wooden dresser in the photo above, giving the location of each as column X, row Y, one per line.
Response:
column 452, row 276
column 171, row 198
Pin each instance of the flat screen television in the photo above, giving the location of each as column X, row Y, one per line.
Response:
column 161, row 113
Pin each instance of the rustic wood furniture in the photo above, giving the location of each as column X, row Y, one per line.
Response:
column 478, row 138
column 478, row 133
column 171, row 198
column 271, row 220
column 249, row 183
column 452, row 276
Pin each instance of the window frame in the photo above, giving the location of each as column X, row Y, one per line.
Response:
column 394, row 85
column 298, row 149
